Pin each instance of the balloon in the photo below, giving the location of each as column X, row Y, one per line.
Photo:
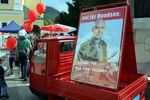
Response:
column 40, row 8
column 28, row 26
column 32, row 15
column 11, row 43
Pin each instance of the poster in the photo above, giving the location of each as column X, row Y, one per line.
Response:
column 98, row 48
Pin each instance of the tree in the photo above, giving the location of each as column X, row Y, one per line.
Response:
column 72, row 17
column 62, row 18
column 74, row 11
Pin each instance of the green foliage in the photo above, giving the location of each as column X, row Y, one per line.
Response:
column 92, row 3
column 72, row 17
column 62, row 18
column 49, row 15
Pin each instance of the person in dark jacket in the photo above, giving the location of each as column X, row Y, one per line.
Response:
column 3, row 85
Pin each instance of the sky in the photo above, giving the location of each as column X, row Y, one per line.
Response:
column 60, row 5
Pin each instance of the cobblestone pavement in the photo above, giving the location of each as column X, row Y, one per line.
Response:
column 17, row 89
column 12, row 80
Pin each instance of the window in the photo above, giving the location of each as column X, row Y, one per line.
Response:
column 4, row 1
column 66, row 46
column 40, row 53
column 141, row 8
column 18, row 4
column 4, row 24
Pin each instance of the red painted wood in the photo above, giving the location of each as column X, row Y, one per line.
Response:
column 58, row 85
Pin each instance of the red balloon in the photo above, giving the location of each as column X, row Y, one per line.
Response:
column 11, row 43
column 28, row 26
column 32, row 15
column 40, row 8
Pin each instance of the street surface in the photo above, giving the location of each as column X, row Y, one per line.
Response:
column 17, row 89
column 21, row 93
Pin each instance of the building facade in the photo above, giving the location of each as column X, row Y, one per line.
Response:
column 141, row 24
column 17, row 10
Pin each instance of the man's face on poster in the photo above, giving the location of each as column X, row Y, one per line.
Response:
column 98, row 29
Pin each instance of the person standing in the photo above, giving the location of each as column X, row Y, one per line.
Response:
column 94, row 49
column 3, row 85
column 12, row 58
column 23, row 49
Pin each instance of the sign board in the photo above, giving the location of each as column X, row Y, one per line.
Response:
column 98, row 49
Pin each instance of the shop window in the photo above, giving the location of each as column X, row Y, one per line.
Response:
column 66, row 46
column 40, row 53
column 4, row 1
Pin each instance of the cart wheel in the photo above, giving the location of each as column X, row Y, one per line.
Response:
column 54, row 97
column 39, row 94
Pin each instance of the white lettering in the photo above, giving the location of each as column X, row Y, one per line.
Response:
column 108, row 15
column 92, row 17
column 85, row 17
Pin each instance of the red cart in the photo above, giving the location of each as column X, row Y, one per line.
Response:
column 51, row 64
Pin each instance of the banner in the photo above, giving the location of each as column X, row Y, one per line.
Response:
column 97, row 54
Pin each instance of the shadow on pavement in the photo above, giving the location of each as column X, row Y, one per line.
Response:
column 147, row 92
column 21, row 93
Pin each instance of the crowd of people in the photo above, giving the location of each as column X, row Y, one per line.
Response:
column 19, row 56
